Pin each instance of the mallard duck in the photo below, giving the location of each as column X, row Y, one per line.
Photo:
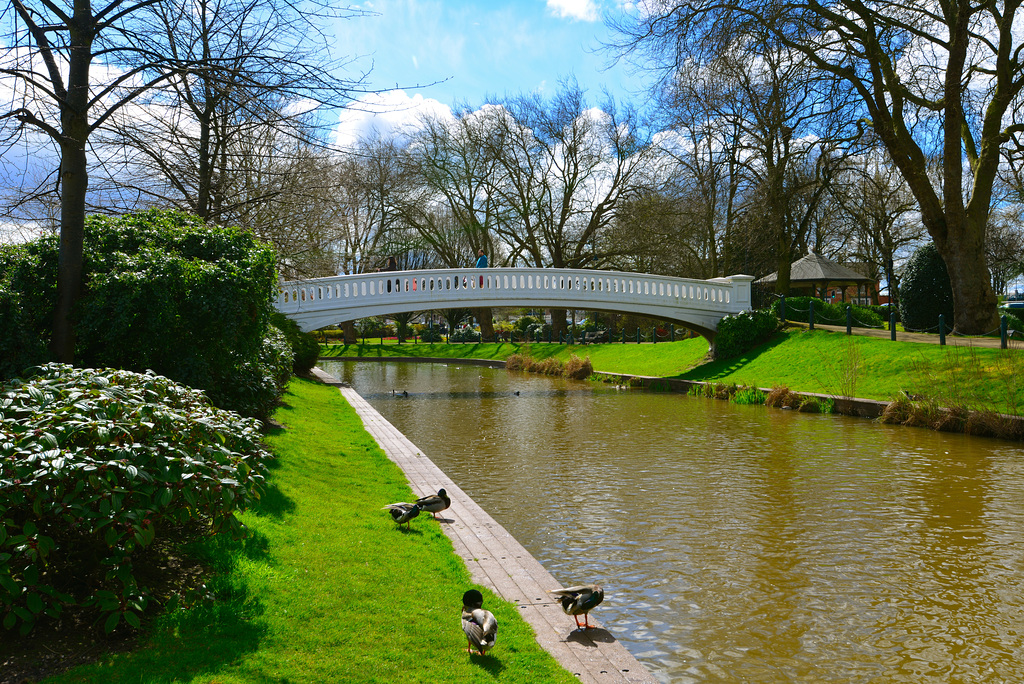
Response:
column 479, row 625
column 579, row 600
column 402, row 512
column 435, row 503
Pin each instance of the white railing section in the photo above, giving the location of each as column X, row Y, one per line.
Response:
column 322, row 301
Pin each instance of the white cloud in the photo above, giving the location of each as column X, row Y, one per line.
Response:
column 584, row 10
column 392, row 112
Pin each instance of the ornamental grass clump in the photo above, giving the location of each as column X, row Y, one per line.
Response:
column 94, row 464
column 577, row 368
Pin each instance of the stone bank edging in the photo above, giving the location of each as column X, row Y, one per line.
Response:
column 497, row 561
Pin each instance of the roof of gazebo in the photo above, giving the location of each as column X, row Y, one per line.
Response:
column 816, row 269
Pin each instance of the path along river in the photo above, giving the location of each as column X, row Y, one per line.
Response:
column 739, row 543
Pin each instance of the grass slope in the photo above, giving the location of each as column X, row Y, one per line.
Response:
column 327, row 588
column 803, row 360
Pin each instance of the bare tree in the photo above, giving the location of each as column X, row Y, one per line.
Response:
column 879, row 204
column 239, row 66
column 928, row 77
column 563, row 170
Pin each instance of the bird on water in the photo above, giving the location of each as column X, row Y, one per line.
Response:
column 578, row 601
column 479, row 625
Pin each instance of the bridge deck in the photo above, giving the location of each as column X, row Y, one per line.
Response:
column 496, row 560
column 698, row 304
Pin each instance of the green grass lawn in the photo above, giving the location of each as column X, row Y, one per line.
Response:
column 327, row 588
column 803, row 360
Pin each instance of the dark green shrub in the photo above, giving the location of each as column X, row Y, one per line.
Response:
column 883, row 312
column 736, row 334
column 27, row 295
column 925, row 292
column 162, row 291
column 828, row 313
column 93, row 465
column 431, row 334
column 255, row 386
column 305, row 348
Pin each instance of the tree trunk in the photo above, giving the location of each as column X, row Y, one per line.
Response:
column 785, row 268
column 349, row 330
column 974, row 300
column 558, row 323
column 74, row 181
column 486, row 320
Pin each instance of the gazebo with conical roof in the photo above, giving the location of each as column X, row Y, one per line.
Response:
column 815, row 271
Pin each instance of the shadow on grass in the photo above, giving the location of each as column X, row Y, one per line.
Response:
column 488, row 663
column 273, row 503
column 219, row 623
column 714, row 370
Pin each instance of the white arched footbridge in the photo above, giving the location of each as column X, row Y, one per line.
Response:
column 696, row 304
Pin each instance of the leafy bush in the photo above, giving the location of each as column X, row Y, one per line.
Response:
column 736, row 334
column 255, row 386
column 305, row 348
column 431, row 334
column 523, row 323
column 464, row 335
column 883, row 312
column 925, row 292
column 27, row 295
column 374, row 327
column 93, row 465
column 829, row 313
column 163, row 291
column 538, row 332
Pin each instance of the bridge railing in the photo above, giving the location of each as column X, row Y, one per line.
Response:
column 471, row 286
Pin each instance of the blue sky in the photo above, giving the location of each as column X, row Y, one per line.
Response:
column 485, row 48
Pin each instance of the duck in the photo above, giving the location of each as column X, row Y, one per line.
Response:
column 435, row 503
column 480, row 626
column 402, row 512
column 579, row 600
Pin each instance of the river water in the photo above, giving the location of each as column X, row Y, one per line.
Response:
column 739, row 543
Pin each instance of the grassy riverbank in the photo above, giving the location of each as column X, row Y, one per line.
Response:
column 804, row 361
column 327, row 588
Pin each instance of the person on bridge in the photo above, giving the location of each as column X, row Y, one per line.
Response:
column 481, row 262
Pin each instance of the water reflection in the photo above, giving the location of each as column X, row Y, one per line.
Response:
column 740, row 544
